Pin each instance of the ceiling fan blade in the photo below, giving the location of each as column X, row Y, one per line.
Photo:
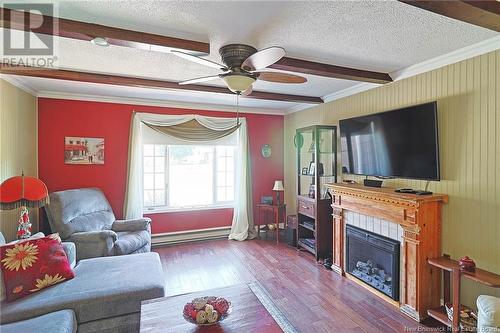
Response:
column 247, row 92
column 200, row 79
column 280, row 77
column 198, row 60
column 263, row 58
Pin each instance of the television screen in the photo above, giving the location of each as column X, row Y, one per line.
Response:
column 401, row 143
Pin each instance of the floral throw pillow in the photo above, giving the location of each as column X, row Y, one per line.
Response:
column 33, row 265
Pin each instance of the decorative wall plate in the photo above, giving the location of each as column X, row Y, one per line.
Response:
column 298, row 140
column 266, row 151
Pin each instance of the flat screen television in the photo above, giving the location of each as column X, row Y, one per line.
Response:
column 400, row 143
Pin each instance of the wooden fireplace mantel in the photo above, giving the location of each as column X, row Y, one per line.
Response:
column 420, row 218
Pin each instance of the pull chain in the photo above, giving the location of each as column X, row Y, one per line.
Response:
column 237, row 109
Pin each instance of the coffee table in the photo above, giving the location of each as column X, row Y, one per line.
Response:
column 253, row 311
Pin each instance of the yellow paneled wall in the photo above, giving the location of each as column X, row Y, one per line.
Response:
column 18, row 146
column 468, row 96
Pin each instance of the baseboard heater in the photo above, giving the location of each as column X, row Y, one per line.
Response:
column 170, row 238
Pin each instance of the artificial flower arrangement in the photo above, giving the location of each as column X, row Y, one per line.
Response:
column 207, row 310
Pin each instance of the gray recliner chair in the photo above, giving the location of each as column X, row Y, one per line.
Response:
column 84, row 217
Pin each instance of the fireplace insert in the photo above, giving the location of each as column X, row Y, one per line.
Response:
column 374, row 259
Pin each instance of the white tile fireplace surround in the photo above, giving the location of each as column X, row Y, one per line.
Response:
column 377, row 226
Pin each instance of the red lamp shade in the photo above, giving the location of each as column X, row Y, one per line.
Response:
column 22, row 191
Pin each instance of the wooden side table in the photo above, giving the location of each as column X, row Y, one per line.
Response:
column 452, row 280
column 272, row 214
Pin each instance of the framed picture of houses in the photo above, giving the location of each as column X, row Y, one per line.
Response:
column 81, row 150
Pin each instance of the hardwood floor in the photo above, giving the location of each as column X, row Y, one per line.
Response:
column 313, row 298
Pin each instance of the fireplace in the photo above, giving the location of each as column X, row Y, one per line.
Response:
column 374, row 259
column 418, row 216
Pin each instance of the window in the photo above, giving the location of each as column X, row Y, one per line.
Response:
column 188, row 176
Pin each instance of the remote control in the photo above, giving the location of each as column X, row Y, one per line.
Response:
column 406, row 190
column 423, row 192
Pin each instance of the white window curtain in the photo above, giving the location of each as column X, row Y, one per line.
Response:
column 242, row 225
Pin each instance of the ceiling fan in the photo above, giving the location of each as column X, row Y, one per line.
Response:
column 242, row 67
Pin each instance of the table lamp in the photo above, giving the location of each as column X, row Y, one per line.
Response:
column 23, row 192
column 278, row 187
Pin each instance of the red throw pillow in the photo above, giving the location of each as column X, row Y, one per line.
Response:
column 32, row 265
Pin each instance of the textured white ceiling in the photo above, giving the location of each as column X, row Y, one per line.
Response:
column 373, row 35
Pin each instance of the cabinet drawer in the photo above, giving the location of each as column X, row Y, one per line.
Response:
column 307, row 208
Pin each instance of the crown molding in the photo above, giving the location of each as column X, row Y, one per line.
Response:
column 158, row 103
column 486, row 46
column 16, row 81
column 297, row 108
column 19, row 84
column 355, row 89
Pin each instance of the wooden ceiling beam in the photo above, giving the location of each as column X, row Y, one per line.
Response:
column 12, row 19
column 116, row 80
column 337, row 72
column 485, row 14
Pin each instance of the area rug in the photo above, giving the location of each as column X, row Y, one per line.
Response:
column 266, row 300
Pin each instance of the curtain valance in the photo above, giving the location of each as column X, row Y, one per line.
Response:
column 194, row 131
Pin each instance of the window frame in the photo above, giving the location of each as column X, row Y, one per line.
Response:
column 166, row 208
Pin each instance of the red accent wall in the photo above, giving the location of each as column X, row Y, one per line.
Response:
column 59, row 118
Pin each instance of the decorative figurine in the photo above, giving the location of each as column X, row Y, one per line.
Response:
column 23, row 224
column 467, row 264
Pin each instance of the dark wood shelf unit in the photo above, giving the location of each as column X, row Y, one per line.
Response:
column 320, row 212
column 316, row 166
column 307, row 227
column 306, row 246
column 452, row 280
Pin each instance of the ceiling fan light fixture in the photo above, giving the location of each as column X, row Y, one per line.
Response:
column 238, row 83
column 100, row 41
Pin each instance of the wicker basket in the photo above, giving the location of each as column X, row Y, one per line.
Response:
column 468, row 319
column 207, row 299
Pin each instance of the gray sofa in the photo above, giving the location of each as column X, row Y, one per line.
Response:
column 104, row 296
column 488, row 314
column 84, row 217
column 63, row 321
